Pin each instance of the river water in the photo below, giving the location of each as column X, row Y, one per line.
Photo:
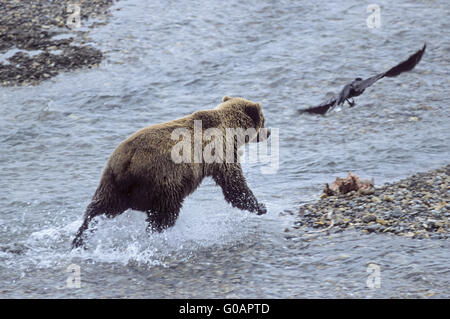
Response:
column 167, row 59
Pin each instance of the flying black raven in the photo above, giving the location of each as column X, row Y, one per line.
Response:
column 358, row 85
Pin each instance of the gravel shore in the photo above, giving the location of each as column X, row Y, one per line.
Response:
column 37, row 36
column 415, row 207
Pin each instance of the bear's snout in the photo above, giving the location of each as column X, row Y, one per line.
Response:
column 263, row 134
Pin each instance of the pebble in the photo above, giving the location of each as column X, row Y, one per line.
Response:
column 373, row 228
column 397, row 213
column 31, row 26
column 369, row 218
column 416, row 207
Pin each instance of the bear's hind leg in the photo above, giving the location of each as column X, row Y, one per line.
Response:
column 78, row 240
column 95, row 208
column 159, row 221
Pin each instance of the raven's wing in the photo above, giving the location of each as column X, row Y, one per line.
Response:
column 321, row 108
column 325, row 106
column 368, row 82
column 404, row 66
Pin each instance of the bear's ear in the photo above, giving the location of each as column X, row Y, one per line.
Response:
column 226, row 98
column 253, row 112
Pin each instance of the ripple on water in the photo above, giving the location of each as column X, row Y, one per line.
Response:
column 164, row 61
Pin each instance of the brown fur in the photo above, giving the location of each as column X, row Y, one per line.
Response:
column 141, row 175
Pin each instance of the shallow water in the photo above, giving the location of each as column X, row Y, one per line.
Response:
column 164, row 61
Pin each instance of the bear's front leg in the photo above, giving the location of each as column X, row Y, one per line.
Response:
column 235, row 189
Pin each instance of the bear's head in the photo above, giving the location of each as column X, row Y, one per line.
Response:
column 246, row 114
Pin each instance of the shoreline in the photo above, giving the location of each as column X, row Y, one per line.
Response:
column 40, row 43
column 414, row 207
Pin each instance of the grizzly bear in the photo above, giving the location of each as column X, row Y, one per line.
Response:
column 146, row 173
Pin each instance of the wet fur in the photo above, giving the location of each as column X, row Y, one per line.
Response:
column 141, row 175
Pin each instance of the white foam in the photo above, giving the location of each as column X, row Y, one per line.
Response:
column 124, row 239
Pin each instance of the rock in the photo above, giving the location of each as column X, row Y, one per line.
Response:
column 373, row 228
column 419, row 209
column 367, row 191
column 375, row 199
column 381, row 221
column 31, row 27
column 369, row 218
column 397, row 213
